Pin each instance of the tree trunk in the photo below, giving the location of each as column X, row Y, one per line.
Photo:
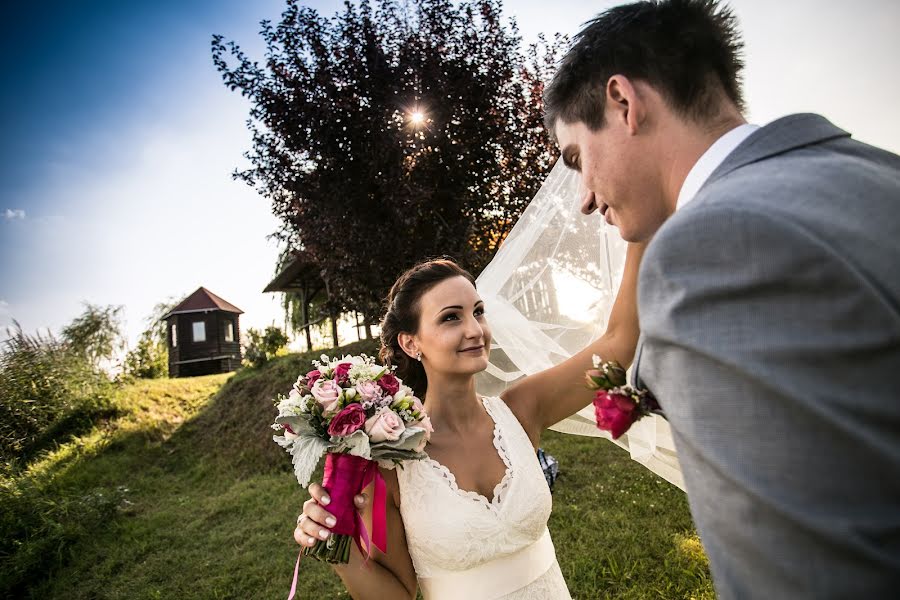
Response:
column 304, row 300
column 334, row 334
column 358, row 327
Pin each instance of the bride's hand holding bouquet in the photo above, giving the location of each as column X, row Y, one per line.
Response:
column 360, row 416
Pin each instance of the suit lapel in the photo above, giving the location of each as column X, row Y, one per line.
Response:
column 636, row 365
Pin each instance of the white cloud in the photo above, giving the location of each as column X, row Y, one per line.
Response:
column 14, row 213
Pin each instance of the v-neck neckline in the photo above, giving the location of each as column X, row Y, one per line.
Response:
column 500, row 446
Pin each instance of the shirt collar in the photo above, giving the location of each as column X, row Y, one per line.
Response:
column 711, row 159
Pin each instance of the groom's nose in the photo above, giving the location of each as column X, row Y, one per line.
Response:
column 589, row 202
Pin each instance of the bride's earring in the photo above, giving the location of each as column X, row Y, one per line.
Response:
column 419, row 356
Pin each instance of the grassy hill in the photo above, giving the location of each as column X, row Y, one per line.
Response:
column 184, row 495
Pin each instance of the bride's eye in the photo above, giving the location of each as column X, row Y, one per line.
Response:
column 450, row 317
column 479, row 312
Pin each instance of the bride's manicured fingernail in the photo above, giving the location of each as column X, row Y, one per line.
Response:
column 311, row 541
column 323, row 534
column 330, row 521
column 325, row 499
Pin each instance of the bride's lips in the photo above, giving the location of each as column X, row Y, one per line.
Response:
column 473, row 350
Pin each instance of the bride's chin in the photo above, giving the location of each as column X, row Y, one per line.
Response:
column 476, row 367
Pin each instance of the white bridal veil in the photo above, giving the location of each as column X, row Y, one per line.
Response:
column 549, row 291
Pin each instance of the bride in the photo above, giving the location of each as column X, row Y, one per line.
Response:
column 471, row 519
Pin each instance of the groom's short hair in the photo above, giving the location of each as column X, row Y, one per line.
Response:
column 688, row 50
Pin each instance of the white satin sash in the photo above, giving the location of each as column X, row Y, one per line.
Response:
column 495, row 578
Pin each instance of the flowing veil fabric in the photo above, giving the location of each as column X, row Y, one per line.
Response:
column 549, row 291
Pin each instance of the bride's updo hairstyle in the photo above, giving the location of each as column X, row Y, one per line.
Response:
column 403, row 312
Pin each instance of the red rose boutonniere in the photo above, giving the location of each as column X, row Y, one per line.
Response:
column 618, row 406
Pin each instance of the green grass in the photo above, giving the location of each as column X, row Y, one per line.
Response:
column 205, row 504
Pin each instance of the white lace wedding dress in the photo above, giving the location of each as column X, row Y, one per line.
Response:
column 466, row 546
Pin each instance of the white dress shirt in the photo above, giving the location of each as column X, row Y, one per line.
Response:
column 714, row 156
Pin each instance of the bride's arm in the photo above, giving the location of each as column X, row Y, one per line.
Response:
column 390, row 574
column 547, row 397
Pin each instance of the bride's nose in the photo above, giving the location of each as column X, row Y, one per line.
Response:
column 473, row 330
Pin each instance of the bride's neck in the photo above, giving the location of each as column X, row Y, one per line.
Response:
column 452, row 403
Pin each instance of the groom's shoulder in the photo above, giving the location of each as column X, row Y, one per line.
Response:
column 804, row 172
column 802, row 154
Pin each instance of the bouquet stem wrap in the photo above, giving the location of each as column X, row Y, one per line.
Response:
column 346, row 476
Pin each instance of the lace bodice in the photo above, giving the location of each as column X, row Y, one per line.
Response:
column 450, row 530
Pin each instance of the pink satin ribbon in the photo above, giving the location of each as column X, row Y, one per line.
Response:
column 346, row 476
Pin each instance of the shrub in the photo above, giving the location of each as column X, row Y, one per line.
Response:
column 263, row 346
column 149, row 360
column 48, row 392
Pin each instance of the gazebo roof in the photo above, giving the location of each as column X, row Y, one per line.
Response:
column 203, row 300
column 296, row 275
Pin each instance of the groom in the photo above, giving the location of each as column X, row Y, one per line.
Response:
column 769, row 298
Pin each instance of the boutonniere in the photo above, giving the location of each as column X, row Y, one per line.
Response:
column 618, row 406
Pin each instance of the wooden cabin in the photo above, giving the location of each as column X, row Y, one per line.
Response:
column 203, row 335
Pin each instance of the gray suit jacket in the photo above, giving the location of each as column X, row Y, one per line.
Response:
column 770, row 317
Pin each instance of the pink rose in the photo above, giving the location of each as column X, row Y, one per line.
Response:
column 614, row 412
column 341, row 372
column 312, row 376
column 369, row 391
column 424, row 423
column 418, row 406
column 327, row 393
column 347, row 421
column 389, row 383
column 384, row 425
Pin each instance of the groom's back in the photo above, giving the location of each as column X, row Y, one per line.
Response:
column 771, row 310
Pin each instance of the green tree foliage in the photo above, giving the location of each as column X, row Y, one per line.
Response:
column 263, row 346
column 150, row 358
column 393, row 132
column 96, row 334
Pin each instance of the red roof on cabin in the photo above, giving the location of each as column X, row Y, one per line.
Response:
column 203, row 299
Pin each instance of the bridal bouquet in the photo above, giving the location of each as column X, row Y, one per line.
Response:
column 359, row 415
column 618, row 406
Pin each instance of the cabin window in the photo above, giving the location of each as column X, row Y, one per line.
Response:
column 199, row 331
column 174, row 336
column 229, row 331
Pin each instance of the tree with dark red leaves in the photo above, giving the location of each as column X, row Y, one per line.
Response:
column 393, row 132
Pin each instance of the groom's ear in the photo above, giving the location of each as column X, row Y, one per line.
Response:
column 623, row 104
column 407, row 344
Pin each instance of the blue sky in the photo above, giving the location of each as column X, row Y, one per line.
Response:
column 119, row 138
